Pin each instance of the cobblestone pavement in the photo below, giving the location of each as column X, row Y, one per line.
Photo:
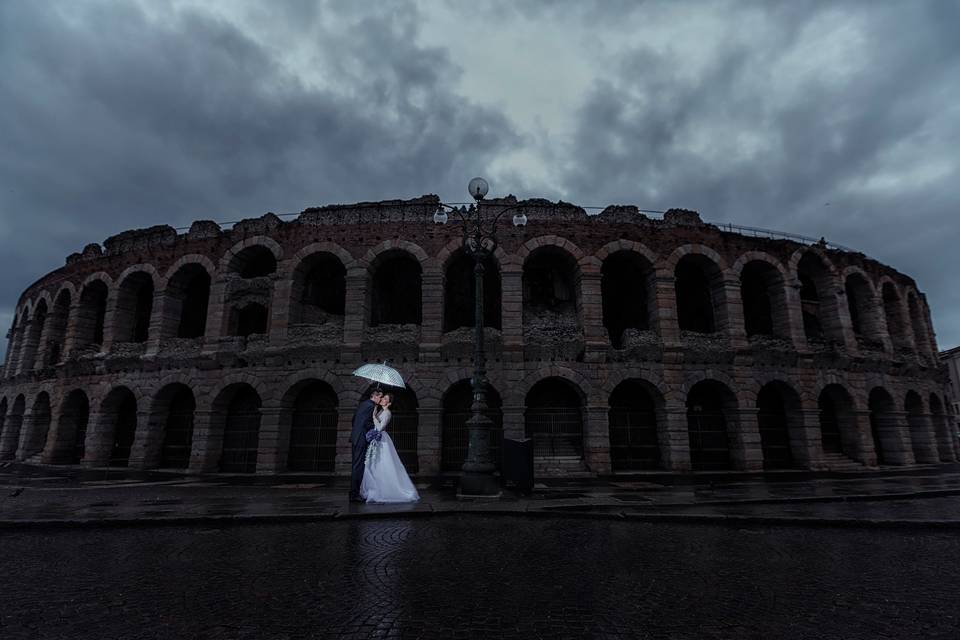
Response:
column 30, row 495
column 479, row 577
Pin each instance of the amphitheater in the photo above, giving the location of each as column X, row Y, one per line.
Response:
column 618, row 342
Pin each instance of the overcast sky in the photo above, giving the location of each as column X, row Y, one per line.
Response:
column 836, row 119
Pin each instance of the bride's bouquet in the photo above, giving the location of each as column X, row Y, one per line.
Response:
column 373, row 448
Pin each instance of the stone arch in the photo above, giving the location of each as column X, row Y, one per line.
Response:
column 763, row 293
column 941, row 424
column 229, row 260
column 90, row 318
column 186, row 298
column 134, row 303
column 554, row 418
column 883, row 425
column 310, row 411
column 711, row 424
column 459, row 292
column 172, row 417
column 894, row 313
column 838, row 429
column 922, row 440
column 317, row 276
column 198, row 259
column 579, row 382
column 264, row 392
column 395, row 295
column 118, row 425
column 701, row 298
column 72, row 426
column 552, row 295
column 334, row 249
column 389, row 246
column 628, row 290
column 818, row 281
column 780, row 422
column 455, row 410
column 56, row 335
column 863, row 307
column 918, row 324
column 636, row 420
column 34, row 333
column 531, row 245
column 237, row 416
column 448, row 250
column 619, row 374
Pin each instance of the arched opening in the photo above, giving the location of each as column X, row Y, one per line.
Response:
column 119, row 415
column 11, row 432
column 57, row 331
column 34, row 333
column 817, row 304
column 459, row 292
column 917, row 323
column 187, row 300
column 12, row 344
column 404, row 425
column 883, row 426
column 318, row 294
column 710, row 405
column 777, row 410
column 836, row 419
column 74, row 416
column 554, row 420
column 626, row 280
column 396, row 291
column 455, row 437
column 238, row 407
column 764, row 300
column 313, row 428
column 550, row 296
column 920, row 437
column 699, row 295
column 634, row 442
column 893, row 312
column 90, row 314
column 248, row 319
column 863, row 311
column 941, row 424
column 36, row 438
column 134, row 307
column 256, row 261
column 178, row 404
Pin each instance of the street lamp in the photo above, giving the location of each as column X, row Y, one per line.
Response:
column 479, row 242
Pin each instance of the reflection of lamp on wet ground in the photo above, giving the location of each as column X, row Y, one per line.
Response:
column 479, row 242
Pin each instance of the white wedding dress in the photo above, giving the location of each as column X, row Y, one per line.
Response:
column 385, row 479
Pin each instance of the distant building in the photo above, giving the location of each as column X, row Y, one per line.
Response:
column 951, row 358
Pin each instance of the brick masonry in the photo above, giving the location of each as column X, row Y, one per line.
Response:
column 881, row 364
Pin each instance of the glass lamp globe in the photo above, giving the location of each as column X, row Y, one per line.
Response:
column 478, row 188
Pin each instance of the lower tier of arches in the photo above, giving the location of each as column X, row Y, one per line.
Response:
column 300, row 422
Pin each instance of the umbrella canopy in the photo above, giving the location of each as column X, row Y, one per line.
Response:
column 381, row 373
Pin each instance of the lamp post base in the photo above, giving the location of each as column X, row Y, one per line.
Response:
column 479, row 486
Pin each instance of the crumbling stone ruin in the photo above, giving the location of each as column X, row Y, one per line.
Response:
column 618, row 342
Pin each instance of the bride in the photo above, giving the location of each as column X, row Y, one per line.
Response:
column 384, row 477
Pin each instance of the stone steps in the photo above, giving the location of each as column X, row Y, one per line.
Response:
column 840, row 462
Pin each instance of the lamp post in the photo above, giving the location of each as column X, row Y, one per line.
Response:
column 479, row 242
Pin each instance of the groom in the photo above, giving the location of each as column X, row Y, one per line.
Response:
column 362, row 422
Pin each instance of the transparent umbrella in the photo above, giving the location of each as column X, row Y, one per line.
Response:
column 381, row 373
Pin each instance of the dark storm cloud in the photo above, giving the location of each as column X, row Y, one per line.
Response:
column 875, row 137
column 114, row 119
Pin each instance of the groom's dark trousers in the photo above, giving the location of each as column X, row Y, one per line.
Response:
column 362, row 422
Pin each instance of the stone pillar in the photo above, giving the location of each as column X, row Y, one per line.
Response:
column 511, row 310
column 795, row 312
column 99, row 441
column 596, row 439
column 856, row 437
column 665, row 301
column 356, row 312
column 806, row 442
column 431, row 328
column 26, row 347
column 216, row 316
column 280, row 310
column 344, row 458
column 145, row 439
column 731, row 313
column 923, row 438
column 159, row 321
column 273, row 444
column 674, row 435
column 428, row 437
column 71, row 337
column 110, row 319
column 595, row 337
column 207, row 442
column 514, row 426
column 743, row 434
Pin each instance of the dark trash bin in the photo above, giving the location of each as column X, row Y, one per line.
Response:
column 516, row 464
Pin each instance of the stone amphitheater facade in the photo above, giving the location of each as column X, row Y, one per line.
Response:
column 616, row 341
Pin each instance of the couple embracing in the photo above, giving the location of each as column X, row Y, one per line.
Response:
column 377, row 474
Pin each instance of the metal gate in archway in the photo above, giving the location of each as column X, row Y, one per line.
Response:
column 557, row 432
column 241, row 437
column 634, row 445
column 709, row 447
column 313, row 441
column 456, row 438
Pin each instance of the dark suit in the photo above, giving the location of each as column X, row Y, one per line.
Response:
column 362, row 422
